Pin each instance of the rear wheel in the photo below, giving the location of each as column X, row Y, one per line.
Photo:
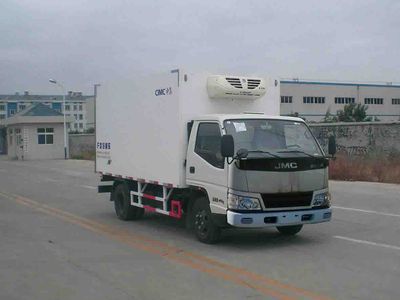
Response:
column 205, row 229
column 289, row 230
column 122, row 204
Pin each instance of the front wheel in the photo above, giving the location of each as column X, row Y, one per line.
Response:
column 205, row 229
column 289, row 230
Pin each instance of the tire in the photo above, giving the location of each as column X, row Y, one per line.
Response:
column 289, row 230
column 122, row 204
column 205, row 229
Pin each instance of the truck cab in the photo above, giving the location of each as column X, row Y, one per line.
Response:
column 257, row 171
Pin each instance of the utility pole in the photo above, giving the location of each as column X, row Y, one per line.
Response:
column 94, row 125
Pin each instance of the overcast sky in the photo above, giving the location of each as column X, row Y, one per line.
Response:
column 81, row 42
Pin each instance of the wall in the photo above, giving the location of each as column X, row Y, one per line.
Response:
column 360, row 138
column 81, row 144
column 54, row 151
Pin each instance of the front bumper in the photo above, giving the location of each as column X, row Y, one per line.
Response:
column 286, row 218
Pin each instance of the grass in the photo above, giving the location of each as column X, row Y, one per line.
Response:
column 375, row 168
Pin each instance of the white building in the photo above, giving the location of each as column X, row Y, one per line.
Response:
column 312, row 99
column 77, row 106
column 36, row 132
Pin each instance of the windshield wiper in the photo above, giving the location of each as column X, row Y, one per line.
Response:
column 297, row 151
column 265, row 152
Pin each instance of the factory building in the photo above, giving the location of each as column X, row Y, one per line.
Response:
column 312, row 99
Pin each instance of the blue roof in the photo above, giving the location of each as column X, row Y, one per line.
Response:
column 40, row 110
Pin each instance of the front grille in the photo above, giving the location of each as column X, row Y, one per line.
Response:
column 287, row 199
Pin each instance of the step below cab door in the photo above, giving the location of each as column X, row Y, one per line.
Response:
column 206, row 168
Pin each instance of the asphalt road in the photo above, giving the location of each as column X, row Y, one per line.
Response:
column 59, row 239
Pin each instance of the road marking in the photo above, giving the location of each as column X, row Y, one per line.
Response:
column 88, row 187
column 367, row 242
column 367, row 211
column 264, row 285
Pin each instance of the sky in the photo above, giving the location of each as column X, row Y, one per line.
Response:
column 83, row 42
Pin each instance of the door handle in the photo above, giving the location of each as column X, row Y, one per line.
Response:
column 192, row 170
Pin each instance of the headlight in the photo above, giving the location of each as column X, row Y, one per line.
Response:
column 322, row 199
column 243, row 203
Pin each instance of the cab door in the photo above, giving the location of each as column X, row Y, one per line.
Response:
column 206, row 168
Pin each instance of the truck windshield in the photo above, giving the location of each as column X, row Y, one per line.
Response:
column 271, row 137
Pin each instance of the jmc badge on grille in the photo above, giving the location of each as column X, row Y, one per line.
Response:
column 286, row 165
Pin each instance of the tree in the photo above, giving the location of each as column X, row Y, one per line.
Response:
column 329, row 118
column 353, row 113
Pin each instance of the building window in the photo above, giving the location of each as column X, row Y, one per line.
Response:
column 80, row 125
column 12, row 112
column 286, row 99
column 76, row 116
column 68, row 125
column 2, row 117
column 396, row 101
column 2, row 107
column 75, row 126
column 75, row 107
column 45, row 136
column 80, row 117
column 22, row 107
column 80, row 107
column 344, row 100
column 373, row 100
column 316, row 100
column 67, row 107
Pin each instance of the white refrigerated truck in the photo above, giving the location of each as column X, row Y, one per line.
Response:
column 211, row 149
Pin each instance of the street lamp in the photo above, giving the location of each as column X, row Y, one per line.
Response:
column 65, row 126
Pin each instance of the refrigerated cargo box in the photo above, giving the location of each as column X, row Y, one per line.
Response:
column 142, row 122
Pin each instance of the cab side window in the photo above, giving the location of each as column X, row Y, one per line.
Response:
column 208, row 144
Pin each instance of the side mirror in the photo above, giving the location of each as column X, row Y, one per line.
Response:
column 332, row 145
column 242, row 153
column 227, row 146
